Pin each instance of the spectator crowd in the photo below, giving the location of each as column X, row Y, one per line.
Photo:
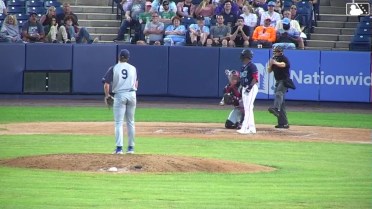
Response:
column 226, row 23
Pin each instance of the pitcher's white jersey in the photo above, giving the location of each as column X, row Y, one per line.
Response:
column 124, row 78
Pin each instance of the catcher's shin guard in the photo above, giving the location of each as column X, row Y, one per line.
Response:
column 230, row 125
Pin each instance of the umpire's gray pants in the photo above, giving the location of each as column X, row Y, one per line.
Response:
column 279, row 102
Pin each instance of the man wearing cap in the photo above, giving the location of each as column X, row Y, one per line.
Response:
column 198, row 32
column 159, row 6
column 166, row 14
column 132, row 20
column 293, row 24
column 123, row 79
column 32, row 30
column 264, row 35
column 288, row 37
column 270, row 13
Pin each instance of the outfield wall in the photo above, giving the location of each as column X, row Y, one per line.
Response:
column 186, row 71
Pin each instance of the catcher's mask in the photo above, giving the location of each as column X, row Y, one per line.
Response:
column 246, row 54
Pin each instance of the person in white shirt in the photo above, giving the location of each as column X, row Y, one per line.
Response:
column 3, row 9
column 274, row 16
column 250, row 18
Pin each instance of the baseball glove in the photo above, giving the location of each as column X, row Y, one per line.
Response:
column 228, row 98
column 109, row 101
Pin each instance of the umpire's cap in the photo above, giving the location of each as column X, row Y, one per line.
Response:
column 124, row 53
column 246, row 53
column 278, row 49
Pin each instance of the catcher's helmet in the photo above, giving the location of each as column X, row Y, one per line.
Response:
column 278, row 49
column 246, row 53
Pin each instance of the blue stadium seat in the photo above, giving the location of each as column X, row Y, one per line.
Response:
column 21, row 22
column 16, row 3
column 16, row 10
column 367, row 19
column 52, row 3
column 361, row 38
column 37, row 10
column 363, row 31
column 1, row 22
column 34, row 3
column 360, row 43
column 364, row 24
column 187, row 21
column 287, row 4
column 22, row 17
column 59, row 10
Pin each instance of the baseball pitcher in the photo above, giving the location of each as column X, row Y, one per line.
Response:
column 123, row 78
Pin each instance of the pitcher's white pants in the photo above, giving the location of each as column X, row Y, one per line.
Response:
column 249, row 125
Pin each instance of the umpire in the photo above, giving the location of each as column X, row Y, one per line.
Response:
column 280, row 65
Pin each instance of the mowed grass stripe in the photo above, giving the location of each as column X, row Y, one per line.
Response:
column 47, row 114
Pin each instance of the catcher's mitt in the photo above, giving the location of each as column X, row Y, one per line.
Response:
column 109, row 101
column 228, row 98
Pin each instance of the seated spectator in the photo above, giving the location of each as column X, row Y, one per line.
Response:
column 158, row 6
column 278, row 6
column 10, row 30
column 167, row 14
column 264, row 35
column 185, row 8
column 219, row 34
column 154, row 30
column 259, row 7
column 229, row 16
column 221, row 7
column 250, row 18
column 274, row 16
column 125, row 4
column 3, row 9
column 293, row 24
column 287, row 37
column 240, row 34
column 132, row 20
column 49, row 22
column 198, row 32
column 205, row 9
column 32, row 30
column 175, row 34
column 75, row 33
column 241, row 4
column 66, row 11
column 145, row 16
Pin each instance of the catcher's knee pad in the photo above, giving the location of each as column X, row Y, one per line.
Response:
column 230, row 125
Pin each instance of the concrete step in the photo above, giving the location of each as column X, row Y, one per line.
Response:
column 332, row 10
column 341, row 49
column 318, row 48
column 342, row 44
column 96, row 16
column 345, row 37
column 338, row 18
column 322, row 44
column 88, row 2
column 324, row 30
column 92, row 9
column 334, row 24
column 324, row 37
column 325, row 3
column 347, row 31
column 104, row 37
column 339, row 3
column 104, row 30
column 99, row 23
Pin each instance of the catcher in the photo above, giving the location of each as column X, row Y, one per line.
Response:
column 232, row 96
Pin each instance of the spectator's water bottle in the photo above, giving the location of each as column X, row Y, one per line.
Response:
column 147, row 39
column 73, row 40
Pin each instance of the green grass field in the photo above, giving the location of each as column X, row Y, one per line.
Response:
column 310, row 175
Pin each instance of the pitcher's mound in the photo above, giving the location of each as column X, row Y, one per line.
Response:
column 132, row 163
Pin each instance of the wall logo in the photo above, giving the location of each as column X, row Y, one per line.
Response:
column 357, row 9
column 265, row 79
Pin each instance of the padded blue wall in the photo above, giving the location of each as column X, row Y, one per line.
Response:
column 91, row 62
column 12, row 65
column 193, row 71
column 43, row 56
column 151, row 63
column 338, row 69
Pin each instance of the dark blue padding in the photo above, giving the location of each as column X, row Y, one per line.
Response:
column 151, row 63
column 91, row 61
column 303, row 65
column 12, row 59
column 193, row 72
column 45, row 56
column 345, row 76
column 230, row 59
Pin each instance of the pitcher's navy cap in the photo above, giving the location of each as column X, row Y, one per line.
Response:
column 124, row 53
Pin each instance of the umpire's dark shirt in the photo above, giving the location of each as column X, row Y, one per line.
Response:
column 281, row 73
